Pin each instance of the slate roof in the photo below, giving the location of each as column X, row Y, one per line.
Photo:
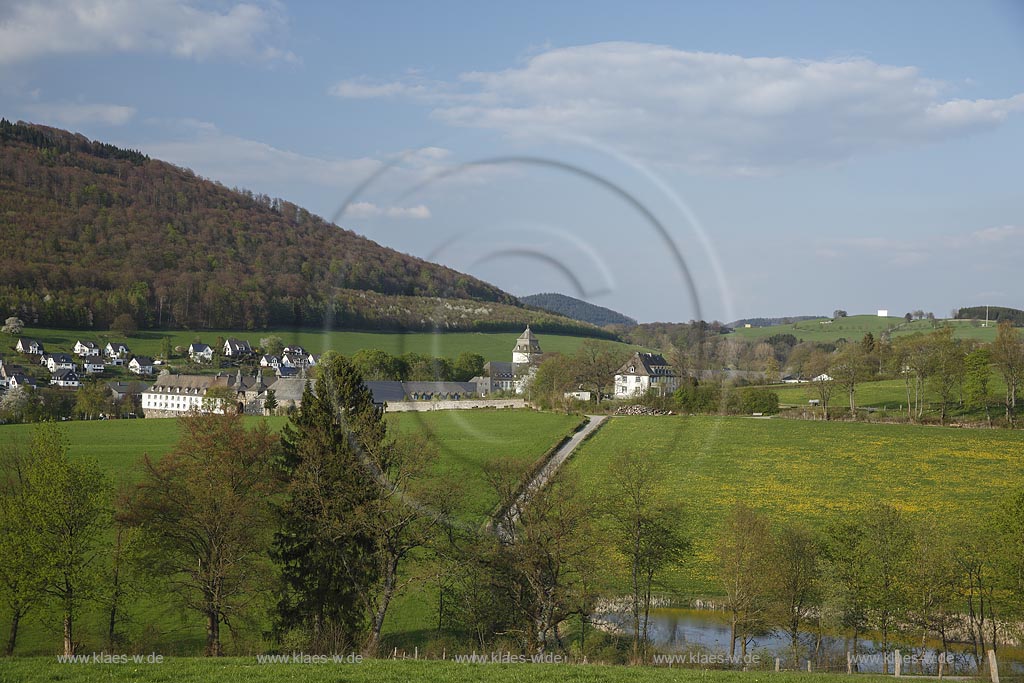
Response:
column 647, row 364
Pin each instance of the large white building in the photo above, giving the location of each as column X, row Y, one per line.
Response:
column 512, row 377
column 644, row 372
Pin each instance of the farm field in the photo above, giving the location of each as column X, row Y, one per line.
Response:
column 490, row 345
column 234, row 669
column 888, row 393
column 813, row 471
column 466, row 440
column 854, row 327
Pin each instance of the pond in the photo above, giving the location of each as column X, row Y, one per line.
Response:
column 703, row 636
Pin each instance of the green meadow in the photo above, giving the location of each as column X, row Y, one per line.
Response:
column 856, row 326
column 199, row 670
column 490, row 345
column 888, row 394
column 806, row 470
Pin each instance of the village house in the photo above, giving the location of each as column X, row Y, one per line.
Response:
column 141, row 365
column 94, row 367
column 117, row 352
column 394, row 391
column 21, row 381
column 58, row 361
column 200, row 352
column 172, row 395
column 86, row 349
column 66, row 378
column 645, row 372
column 29, row 346
column 270, row 361
column 237, row 348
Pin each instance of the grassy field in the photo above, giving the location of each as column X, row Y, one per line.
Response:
column 230, row 670
column 814, row 471
column 856, row 326
column 466, row 441
column 490, row 345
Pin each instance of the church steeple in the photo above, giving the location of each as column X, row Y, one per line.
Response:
column 527, row 348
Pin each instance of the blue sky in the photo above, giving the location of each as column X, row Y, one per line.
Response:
column 800, row 156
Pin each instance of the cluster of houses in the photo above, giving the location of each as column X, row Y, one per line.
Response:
column 68, row 369
column 174, row 394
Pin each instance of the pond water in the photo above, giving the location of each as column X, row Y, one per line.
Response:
column 691, row 631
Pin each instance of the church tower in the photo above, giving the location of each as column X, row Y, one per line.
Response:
column 527, row 349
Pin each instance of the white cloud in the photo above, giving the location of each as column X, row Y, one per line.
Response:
column 371, row 210
column 998, row 234
column 239, row 161
column 77, row 114
column 363, row 89
column 744, row 115
column 33, row 29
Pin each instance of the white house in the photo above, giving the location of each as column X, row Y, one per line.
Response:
column 644, row 372
column 823, row 377
column 66, row 378
column 58, row 361
column 18, row 380
column 86, row 349
column 141, row 365
column 94, row 367
column 312, row 359
column 270, row 361
column 294, row 360
column 294, row 350
column 235, row 348
column 117, row 350
column 200, row 352
column 30, row 346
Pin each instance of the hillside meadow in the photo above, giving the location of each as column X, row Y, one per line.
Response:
column 490, row 345
column 465, row 440
column 855, row 327
column 890, row 394
column 806, row 470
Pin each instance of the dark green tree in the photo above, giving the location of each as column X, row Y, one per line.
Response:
column 324, row 550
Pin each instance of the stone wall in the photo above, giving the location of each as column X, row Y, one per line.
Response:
column 424, row 406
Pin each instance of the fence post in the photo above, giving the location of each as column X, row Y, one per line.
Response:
column 942, row 664
column 776, row 665
column 897, row 663
column 809, row 665
column 849, row 662
column 993, row 666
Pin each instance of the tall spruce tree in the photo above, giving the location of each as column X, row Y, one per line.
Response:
column 323, row 546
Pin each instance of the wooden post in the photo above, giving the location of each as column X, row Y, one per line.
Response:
column 897, row 663
column 808, row 665
column 849, row 662
column 942, row 664
column 776, row 664
column 993, row 666
column 417, row 655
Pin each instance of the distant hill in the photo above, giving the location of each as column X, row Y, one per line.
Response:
column 577, row 309
column 89, row 231
column 768, row 322
column 994, row 313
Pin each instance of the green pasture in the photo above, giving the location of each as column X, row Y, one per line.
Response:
column 807, row 470
column 854, row 327
column 234, row 669
column 490, row 345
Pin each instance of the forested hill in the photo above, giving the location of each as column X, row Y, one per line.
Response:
column 993, row 313
column 577, row 309
column 89, row 231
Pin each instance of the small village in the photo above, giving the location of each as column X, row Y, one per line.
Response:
column 255, row 383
